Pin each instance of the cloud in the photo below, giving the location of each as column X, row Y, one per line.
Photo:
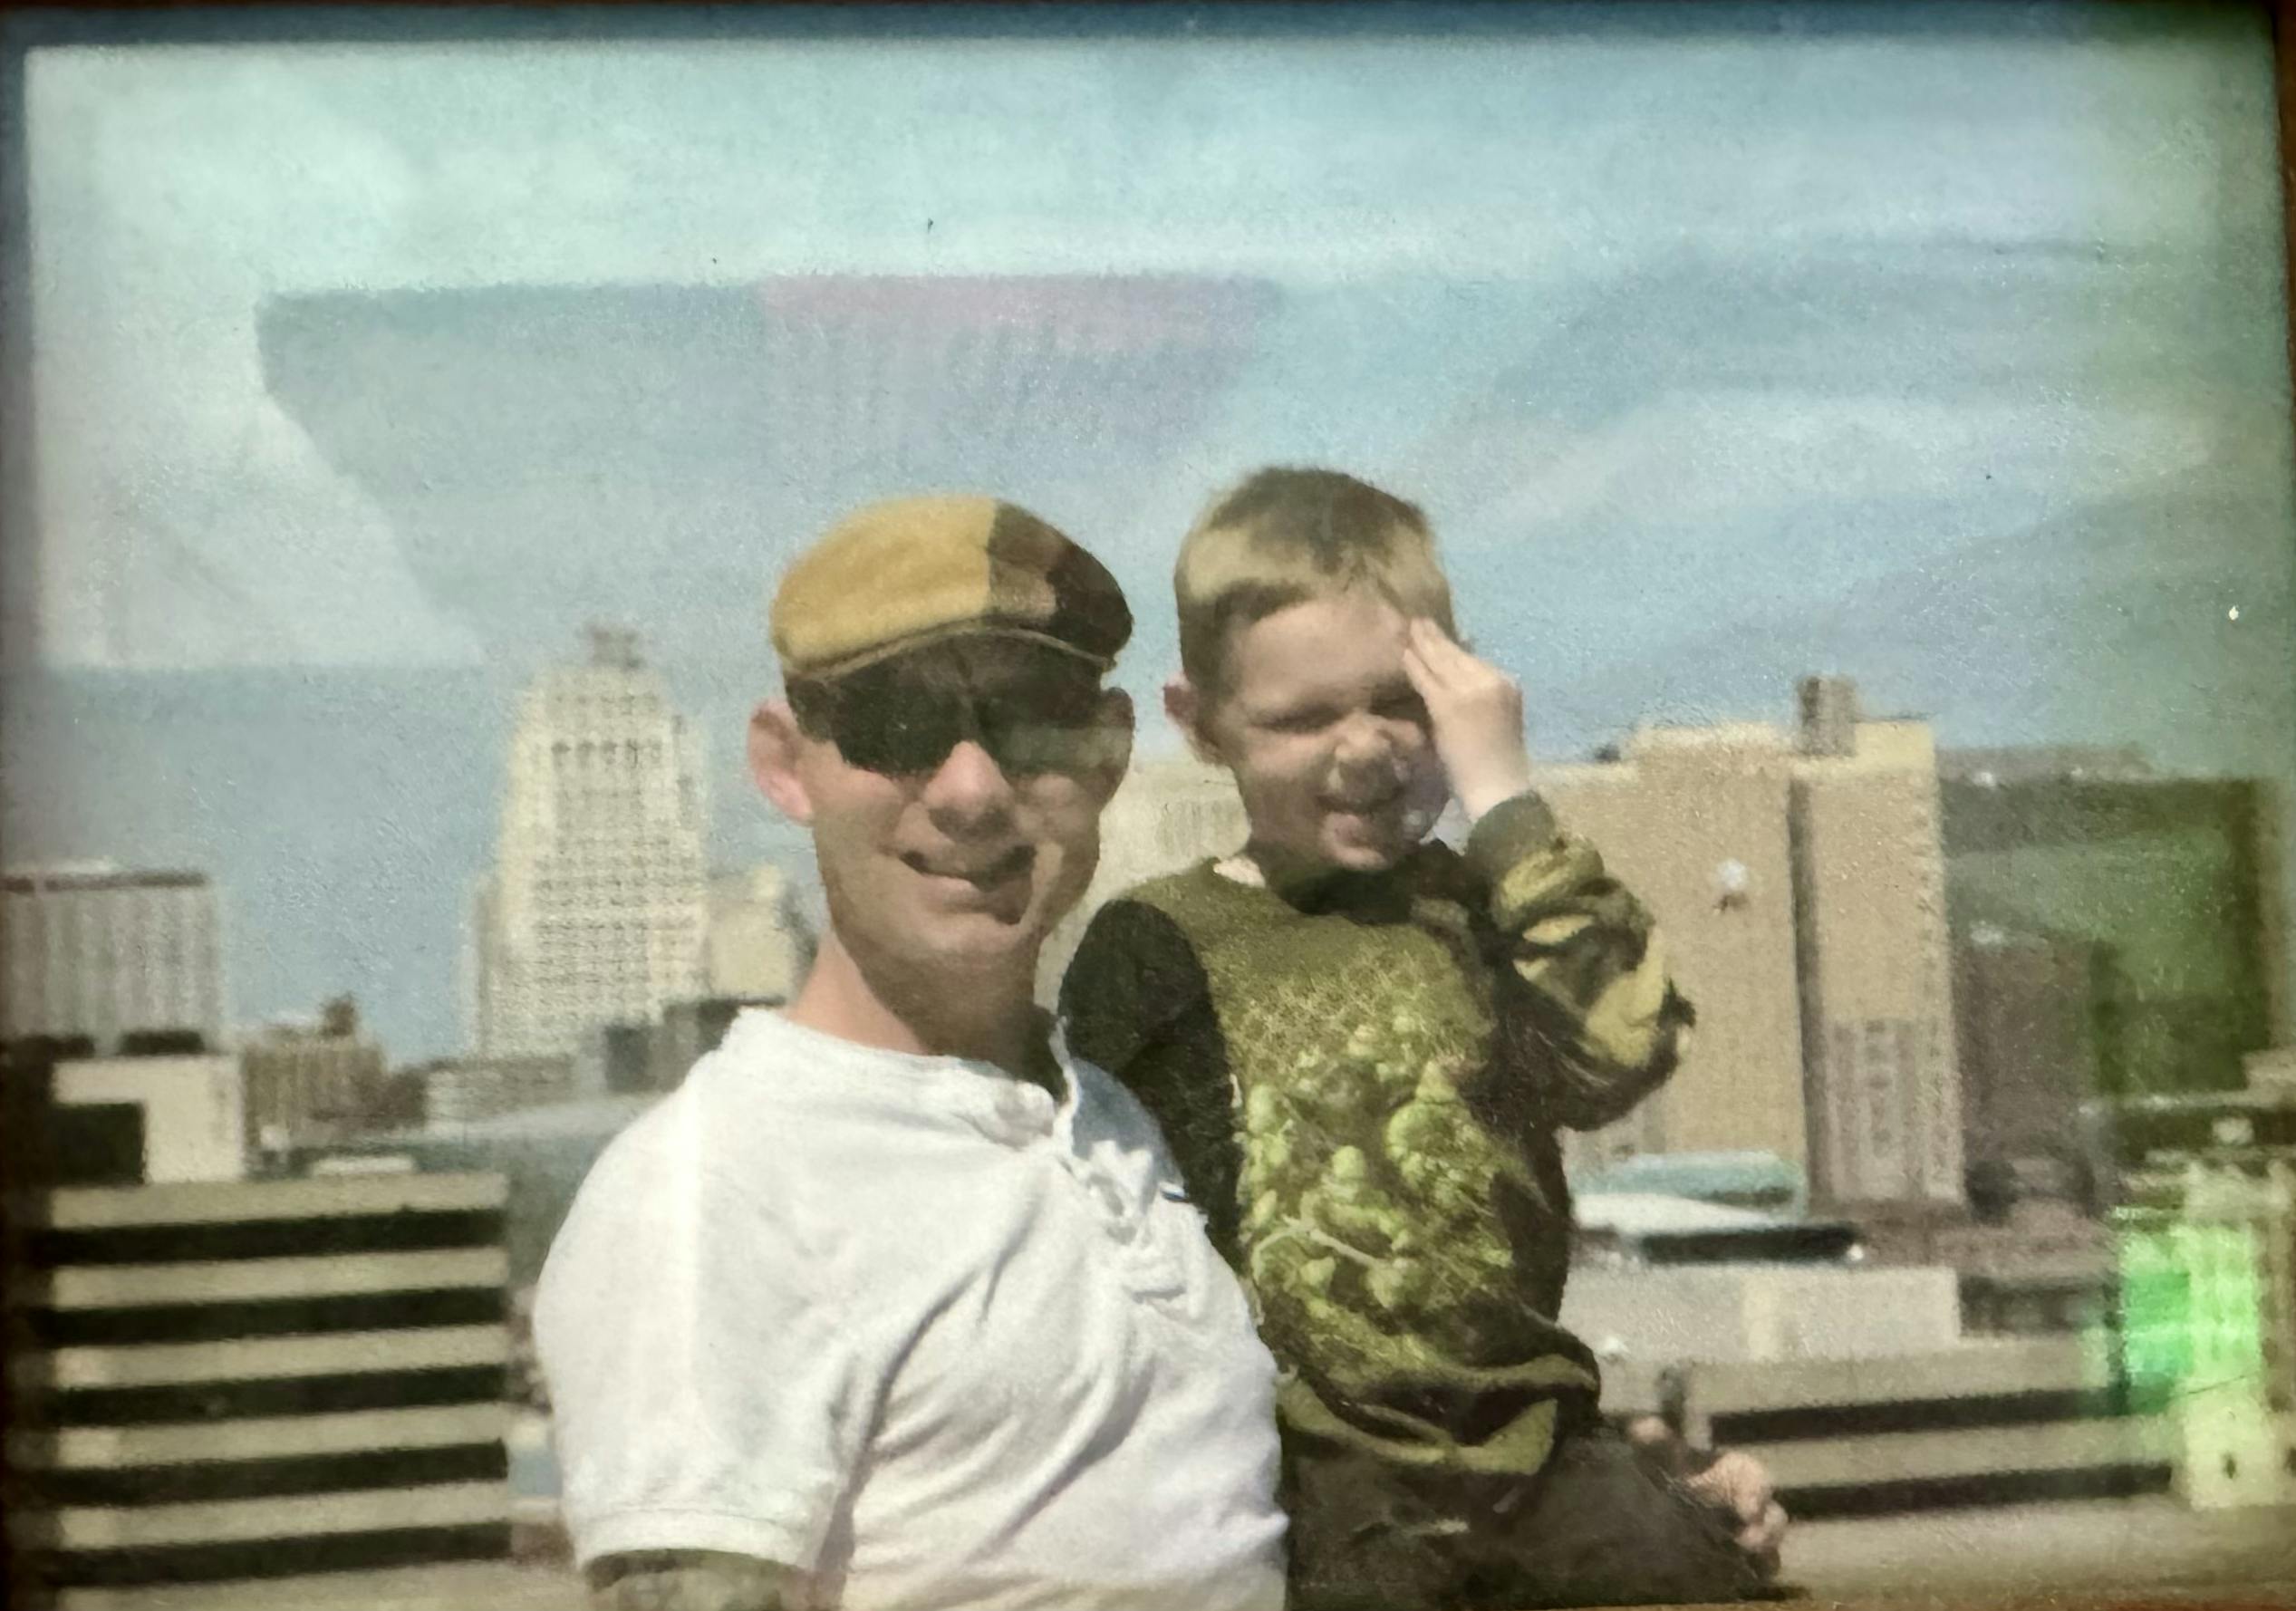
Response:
column 176, row 189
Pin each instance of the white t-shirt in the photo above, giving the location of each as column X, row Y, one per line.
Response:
column 915, row 1329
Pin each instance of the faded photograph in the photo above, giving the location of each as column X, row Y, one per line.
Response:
column 1213, row 806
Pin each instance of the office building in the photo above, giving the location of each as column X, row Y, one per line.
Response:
column 2028, row 1006
column 1877, row 1014
column 312, row 1081
column 464, row 1090
column 96, row 950
column 1797, row 878
column 2170, row 883
column 1697, row 822
column 598, row 907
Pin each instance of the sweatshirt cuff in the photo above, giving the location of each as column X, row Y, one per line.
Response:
column 1510, row 832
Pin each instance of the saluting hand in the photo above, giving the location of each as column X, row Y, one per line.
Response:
column 1475, row 714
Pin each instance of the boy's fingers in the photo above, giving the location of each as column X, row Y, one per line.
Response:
column 1424, row 679
column 1428, row 638
column 1434, row 643
column 1456, row 661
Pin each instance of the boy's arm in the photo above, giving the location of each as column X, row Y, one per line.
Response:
column 1599, row 1002
column 1134, row 1003
column 1109, row 1009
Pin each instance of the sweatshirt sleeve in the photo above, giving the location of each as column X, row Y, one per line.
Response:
column 1597, row 1003
column 1135, row 1004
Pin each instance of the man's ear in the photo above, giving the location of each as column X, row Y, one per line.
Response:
column 1190, row 712
column 1112, row 758
column 775, row 742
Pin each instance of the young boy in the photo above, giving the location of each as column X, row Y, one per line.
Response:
column 1361, row 1046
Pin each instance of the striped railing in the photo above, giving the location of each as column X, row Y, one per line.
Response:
column 257, row 1379
column 1986, row 1423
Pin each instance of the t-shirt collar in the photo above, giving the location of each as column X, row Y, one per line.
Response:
column 967, row 1090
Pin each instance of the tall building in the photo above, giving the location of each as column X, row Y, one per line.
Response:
column 1877, row 1014
column 597, row 909
column 2028, row 1008
column 97, row 950
column 2170, row 881
column 1799, row 881
column 1696, row 821
column 313, row 1081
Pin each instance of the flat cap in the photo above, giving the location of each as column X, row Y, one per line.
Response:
column 909, row 571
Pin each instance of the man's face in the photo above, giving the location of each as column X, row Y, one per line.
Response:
column 1328, row 740
column 954, row 795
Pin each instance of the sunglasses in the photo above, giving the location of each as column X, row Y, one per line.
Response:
column 909, row 726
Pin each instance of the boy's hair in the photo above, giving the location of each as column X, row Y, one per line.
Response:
column 1283, row 536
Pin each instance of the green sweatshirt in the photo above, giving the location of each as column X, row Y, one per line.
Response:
column 1363, row 1079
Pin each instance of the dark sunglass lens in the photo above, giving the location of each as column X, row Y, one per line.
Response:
column 1028, row 742
column 913, row 734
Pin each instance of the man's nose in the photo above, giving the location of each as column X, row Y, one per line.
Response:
column 968, row 786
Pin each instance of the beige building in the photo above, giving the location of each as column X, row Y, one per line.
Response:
column 313, row 1081
column 1885, row 1121
column 97, row 950
column 1696, row 822
column 188, row 1114
column 598, row 907
column 1800, row 881
column 756, row 948
column 464, row 1090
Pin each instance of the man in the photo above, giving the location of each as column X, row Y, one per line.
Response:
column 892, row 1304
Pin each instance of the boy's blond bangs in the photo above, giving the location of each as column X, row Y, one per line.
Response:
column 1282, row 538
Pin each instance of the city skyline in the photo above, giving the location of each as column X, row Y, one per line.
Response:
column 377, row 371
column 744, row 832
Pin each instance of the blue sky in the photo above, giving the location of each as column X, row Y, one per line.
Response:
column 1943, row 348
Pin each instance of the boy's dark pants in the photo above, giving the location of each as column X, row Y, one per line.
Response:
column 1597, row 1527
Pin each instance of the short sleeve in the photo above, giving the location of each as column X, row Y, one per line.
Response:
column 704, row 1395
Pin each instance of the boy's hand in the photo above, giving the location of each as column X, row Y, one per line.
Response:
column 1739, row 1485
column 1476, row 714
column 1730, row 1481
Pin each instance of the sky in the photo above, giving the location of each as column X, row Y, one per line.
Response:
column 1944, row 349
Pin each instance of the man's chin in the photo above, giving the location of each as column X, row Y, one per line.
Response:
column 983, row 942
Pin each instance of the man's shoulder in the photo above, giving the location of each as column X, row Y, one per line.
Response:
column 737, row 1128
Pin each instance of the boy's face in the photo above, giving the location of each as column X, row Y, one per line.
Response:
column 954, row 797
column 1328, row 740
